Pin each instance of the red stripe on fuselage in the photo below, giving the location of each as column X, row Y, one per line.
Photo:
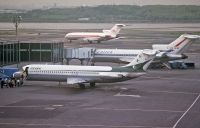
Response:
column 105, row 37
column 85, row 36
column 180, row 42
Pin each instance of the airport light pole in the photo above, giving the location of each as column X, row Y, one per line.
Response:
column 16, row 21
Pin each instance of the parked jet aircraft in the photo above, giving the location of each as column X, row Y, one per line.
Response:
column 89, row 74
column 94, row 36
column 168, row 52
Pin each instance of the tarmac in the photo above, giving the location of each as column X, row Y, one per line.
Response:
column 160, row 99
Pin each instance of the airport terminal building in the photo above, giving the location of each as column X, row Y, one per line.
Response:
column 13, row 52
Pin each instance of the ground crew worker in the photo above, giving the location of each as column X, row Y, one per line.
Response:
column 2, row 83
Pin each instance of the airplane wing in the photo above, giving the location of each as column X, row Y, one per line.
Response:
column 120, row 37
column 75, row 80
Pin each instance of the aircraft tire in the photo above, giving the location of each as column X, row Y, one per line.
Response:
column 82, row 86
column 92, row 84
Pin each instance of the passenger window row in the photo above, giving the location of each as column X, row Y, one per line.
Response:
column 63, row 72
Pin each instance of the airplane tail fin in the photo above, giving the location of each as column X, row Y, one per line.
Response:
column 182, row 43
column 115, row 29
column 143, row 60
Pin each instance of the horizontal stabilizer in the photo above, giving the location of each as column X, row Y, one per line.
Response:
column 191, row 36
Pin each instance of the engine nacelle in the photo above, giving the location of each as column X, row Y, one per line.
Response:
column 106, row 31
column 18, row 75
column 161, row 54
column 177, row 56
column 161, row 47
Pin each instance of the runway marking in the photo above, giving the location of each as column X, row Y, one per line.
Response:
column 33, row 106
column 186, row 111
column 55, row 125
column 144, row 110
column 170, row 92
column 183, row 79
column 49, row 108
column 171, row 78
column 187, row 93
column 21, row 106
column 137, row 127
column 57, row 105
column 68, row 125
column 151, row 77
column 124, row 95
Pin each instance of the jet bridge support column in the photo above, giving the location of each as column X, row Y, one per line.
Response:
column 82, row 61
column 66, row 61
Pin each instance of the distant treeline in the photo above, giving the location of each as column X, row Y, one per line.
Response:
column 111, row 13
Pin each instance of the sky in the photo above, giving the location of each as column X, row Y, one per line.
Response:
column 33, row 4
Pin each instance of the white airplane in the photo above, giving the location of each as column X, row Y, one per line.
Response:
column 73, row 74
column 94, row 36
column 168, row 52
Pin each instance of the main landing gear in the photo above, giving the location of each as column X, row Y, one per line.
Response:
column 92, row 84
column 82, row 86
column 89, row 41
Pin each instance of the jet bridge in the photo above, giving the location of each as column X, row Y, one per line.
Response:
column 83, row 54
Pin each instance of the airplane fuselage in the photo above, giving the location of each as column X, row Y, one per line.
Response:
column 124, row 56
column 96, row 36
column 66, row 73
column 89, row 36
column 73, row 74
column 115, row 55
column 168, row 52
